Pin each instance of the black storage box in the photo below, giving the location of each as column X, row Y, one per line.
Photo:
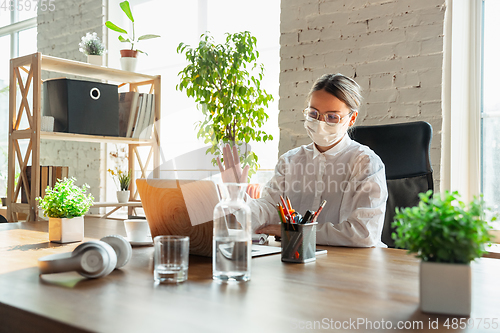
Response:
column 82, row 107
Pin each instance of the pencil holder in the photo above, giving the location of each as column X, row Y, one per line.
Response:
column 298, row 242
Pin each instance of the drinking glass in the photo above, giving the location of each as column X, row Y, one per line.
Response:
column 171, row 259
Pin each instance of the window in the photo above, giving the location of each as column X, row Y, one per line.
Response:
column 490, row 112
column 185, row 22
column 17, row 38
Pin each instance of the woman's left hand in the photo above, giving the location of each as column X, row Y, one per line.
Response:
column 272, row 229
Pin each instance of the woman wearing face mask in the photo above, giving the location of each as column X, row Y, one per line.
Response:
column 348, row 175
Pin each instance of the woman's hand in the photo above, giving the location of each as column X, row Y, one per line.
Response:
column 231, row 172
column 272, row 229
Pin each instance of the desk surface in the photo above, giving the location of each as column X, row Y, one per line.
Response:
column 347, row 284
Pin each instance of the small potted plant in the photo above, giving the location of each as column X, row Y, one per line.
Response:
column 93, row 48
column 122, row 181
column 65, row 205
column 446, row 234
column 129, row 56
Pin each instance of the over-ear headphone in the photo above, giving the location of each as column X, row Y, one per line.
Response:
column 92, row 259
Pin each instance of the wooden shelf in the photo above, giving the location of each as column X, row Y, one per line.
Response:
column 114, row 204
column 33, row 65
column 92, row 138
column 26, row 134
column 84, row 69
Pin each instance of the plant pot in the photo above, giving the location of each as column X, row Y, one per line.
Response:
column 4, row 201
column 64, row 230
column 122, row 196
column 128, row 60
column 445, row 288
column 94, row 59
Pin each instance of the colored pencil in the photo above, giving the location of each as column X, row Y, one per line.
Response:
column 319, row 210
column 287, row 214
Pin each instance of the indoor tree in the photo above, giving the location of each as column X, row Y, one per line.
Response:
column 225, row 80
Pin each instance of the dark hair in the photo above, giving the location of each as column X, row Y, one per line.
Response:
column 340, row 86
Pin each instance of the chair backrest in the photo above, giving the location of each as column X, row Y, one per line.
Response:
column 405, row 150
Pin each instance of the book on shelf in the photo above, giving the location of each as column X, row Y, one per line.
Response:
column 152, row 111
column 127, row 108
column 48, row 177
column 136, row 114
column 140, row 116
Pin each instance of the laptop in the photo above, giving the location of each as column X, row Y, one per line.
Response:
column 185, row 207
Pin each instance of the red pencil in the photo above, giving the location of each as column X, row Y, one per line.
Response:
column 285, row 209
column 319, row 210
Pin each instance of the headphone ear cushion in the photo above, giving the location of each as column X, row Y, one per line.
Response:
column 122, row 248
column 97, row 258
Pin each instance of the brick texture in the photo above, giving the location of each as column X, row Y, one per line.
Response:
column 59, row 33
column 392, row 48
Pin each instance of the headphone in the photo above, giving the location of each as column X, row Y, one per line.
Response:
column 92, row 259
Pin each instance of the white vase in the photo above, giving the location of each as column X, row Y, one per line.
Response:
column 128, row 63
column 64, row 230
column 122, row 196
column 445, row 288
column 94, row 59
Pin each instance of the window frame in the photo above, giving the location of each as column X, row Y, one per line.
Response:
column 461, row 135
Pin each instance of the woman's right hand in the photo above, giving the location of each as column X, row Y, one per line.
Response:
column 231, row 172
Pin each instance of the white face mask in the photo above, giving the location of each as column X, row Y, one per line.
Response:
column 323, row 134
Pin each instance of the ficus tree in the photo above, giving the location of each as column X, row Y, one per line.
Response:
column 225, row 80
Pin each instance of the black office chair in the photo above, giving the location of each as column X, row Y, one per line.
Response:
column 404, row 149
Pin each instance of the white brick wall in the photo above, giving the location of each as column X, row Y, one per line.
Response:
column 59, row 33
column 392, row 48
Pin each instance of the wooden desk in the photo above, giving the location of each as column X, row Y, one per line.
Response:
column 344, row 285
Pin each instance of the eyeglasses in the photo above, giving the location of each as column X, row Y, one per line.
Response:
column 331, row 118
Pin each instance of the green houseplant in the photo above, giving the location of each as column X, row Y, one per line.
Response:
column 129, row 56
column 93, row 48
column 446, row 234
column 65, row 205
column 225, row 80
column 122, row 180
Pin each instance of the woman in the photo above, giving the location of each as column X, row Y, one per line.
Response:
column 348, row 175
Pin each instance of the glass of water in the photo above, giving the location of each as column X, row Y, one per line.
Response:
column 171, row 259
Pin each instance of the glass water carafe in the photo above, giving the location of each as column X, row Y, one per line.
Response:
column 232, row 242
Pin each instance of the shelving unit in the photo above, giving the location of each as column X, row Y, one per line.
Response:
column 33, row 65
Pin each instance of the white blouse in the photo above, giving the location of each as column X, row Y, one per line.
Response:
column 349, row 176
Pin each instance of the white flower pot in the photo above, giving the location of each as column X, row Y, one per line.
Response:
column 122, row 196
column 445, row 288
column 64, row 230
column 128, row 63
column 95, row 59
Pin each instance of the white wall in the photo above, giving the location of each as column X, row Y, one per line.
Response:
column 392, row 48
column 59, row 33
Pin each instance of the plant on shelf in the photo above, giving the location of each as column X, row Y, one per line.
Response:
column 225, row 80
column 93, row 48
column 446, row 234
column 65, row 205
column 121, row 178
column 129, row 56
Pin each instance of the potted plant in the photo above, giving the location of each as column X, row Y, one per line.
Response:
column 122, row 181
column 65, row 205
column 446, row 235
column 129, row 56
column 225, row 80
column 93, row 48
